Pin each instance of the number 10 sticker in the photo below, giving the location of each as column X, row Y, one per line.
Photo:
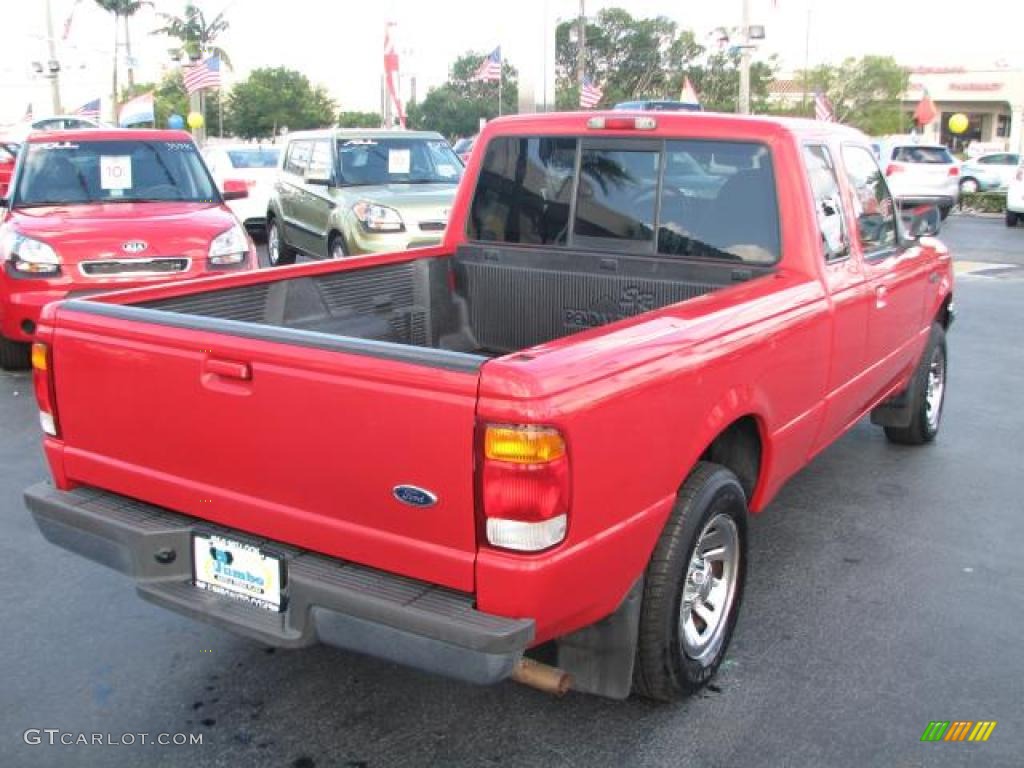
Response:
column 115, row 171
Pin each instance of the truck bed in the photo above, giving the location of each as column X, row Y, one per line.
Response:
column 483, row 302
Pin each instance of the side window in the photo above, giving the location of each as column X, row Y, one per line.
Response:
column 320, row 158
column 828, row 202
column 298, row 157
column 873, row 205
column 524, row 190
column 618, row 194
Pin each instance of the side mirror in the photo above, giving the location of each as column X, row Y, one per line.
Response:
column 320, row 176
column 921, row 221
column 235, row 189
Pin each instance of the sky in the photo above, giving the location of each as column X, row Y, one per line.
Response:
column 337, row 43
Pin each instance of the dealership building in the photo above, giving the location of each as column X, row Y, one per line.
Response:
column 992, row 99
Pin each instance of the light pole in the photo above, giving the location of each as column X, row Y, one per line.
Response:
column 744, row 100
column 53, row 65
column 581, row 53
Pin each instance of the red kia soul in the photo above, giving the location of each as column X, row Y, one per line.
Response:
column 99, row 210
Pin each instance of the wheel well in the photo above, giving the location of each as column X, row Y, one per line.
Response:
column 944, row 317
column 738, row 448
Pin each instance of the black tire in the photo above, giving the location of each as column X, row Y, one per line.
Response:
column 664, row 670
column 336, row 248
column 944, row 211
column 967, row 183
column 923, row 428
column 277, row 245
column 14, row 355
column 1012, row 218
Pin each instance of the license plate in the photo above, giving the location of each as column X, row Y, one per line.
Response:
column 237, row 570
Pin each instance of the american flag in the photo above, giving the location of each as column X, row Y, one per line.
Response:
column 90, row 109
column 490, row 68
column 590, row 93
column 823, row 108
column 205, row 74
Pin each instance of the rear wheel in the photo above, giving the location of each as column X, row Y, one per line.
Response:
column 14, row 355
column 278, row 252
column 944, row 211
column 1012, row 218
column 969, row 186
column 693, row 586
column 928, row 393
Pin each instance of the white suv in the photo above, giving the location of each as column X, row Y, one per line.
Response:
column 1015, row 198
column 920, row 173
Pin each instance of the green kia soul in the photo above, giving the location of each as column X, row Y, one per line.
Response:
column 342, row 193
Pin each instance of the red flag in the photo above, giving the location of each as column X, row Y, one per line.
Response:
column 925, row 111
column 391, row 72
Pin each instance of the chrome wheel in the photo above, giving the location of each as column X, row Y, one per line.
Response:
column 969, row 186
column 936, row 389
column 710, row 588
column 273, row 245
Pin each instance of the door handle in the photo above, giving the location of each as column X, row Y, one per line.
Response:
column 228, row 369
column 881, row 296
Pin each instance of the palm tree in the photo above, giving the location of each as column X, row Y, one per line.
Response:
column 194, row 35
column 122, row 10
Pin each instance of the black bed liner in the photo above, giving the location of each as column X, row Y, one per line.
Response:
column 484, row 301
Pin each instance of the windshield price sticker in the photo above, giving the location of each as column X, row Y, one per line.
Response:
column 115, row 172
column 399, row 160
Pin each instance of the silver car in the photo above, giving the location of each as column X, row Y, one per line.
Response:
column 993, row 170
column 920, row 173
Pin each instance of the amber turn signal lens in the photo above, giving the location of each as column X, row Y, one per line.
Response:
column 39, row 355
column 523, row 445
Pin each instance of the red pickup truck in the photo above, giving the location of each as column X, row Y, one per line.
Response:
column 94, row 210
column 549, row 431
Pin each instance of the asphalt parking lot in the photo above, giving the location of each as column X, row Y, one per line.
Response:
column 886, row 590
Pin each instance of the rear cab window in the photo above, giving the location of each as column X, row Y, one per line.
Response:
column 683, row 198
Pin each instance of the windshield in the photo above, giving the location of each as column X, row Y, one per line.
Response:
column 79, row 172
column 257, row 157
column 364, row 162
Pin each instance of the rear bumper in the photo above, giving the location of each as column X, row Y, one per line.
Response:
column 327, row 601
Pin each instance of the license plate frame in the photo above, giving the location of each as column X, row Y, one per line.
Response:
column 238, row 570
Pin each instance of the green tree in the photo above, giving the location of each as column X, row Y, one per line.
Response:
column 194, row 35
column 455, row 108
column 347, row 119
column 631, row 58
column 272, row 98
column 121, row 10
column 865, row 92
column 649, row 58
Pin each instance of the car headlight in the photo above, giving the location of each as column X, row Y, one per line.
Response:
column 378, row 218
column 32, row 257
column 229, row 247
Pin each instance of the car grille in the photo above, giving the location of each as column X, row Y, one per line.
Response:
column 433, row 226
column 109, row 267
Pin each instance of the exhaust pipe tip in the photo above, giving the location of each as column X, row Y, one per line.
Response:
column 542, row 677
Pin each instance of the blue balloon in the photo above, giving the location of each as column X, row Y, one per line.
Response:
column 177, row 122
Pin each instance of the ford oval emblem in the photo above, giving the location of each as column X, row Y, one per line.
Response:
column 413, row 496
column 134, row 246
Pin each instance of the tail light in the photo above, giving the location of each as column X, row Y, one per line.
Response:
column 954, row 170
column 42, row 382
column 893, row 168
column 525, row 487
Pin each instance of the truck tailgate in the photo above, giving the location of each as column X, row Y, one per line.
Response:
column 297, row 444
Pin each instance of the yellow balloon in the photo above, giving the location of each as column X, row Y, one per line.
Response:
column 195, row 120
column 959, row 123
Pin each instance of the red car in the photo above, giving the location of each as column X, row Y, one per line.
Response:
column 8, row 155
column 550, row 429
column 97, row 210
